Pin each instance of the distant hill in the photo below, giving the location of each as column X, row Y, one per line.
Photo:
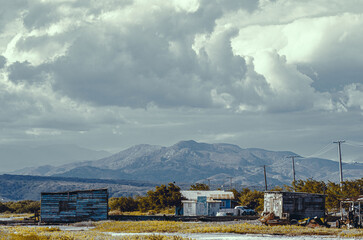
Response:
column 20, row 187
column 190, row 161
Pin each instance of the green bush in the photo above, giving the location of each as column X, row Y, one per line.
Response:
column 24, row 206
column 161, row 198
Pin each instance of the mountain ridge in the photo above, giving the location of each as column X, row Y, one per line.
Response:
column 191, row 161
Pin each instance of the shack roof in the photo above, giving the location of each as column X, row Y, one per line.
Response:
column 354, row 199
column 76, row 191
column 193, row 195
column 195, row 201
column 294, row 193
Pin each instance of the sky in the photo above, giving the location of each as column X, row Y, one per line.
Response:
column 283, row 75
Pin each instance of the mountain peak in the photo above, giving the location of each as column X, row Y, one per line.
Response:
column 186, row 144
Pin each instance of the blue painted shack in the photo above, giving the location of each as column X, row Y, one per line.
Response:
column 74, row 206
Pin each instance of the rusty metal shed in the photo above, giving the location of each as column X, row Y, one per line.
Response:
column 74, row 206
column 294, row 205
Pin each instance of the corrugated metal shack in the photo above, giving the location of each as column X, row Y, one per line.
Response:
column 294, row 205
column 205, row 203
column 74, row 206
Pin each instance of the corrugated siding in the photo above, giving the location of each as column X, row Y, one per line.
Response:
column 74, row 206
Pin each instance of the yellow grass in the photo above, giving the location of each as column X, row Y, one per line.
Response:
column 240, row 228
column 102, row 230
column 45, row 233
column 143, row 226
column 16, row 215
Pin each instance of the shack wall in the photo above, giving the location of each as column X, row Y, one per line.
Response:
column 273, row 203
column 304, row 205
column 202, row 208
column 74, row 206
column 189, row 208
column 213, row 208
column 225, row 203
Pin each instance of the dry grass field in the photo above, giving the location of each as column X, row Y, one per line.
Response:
column 103, row 230
column 45, row 233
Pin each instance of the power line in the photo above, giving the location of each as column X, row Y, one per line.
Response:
column 323, row 150
column 354, row 144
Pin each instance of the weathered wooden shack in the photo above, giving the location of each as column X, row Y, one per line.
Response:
column 74, row 206
column 294, row 205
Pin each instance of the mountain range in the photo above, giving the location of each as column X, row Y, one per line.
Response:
column 190, row 161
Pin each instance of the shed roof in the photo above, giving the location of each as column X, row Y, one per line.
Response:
column 354, row 199
column 76, row 191
column 195, row 201
column 294, row 193
column 193, row 195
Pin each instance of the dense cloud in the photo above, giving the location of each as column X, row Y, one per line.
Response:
column 2, row 61
column 80, row 65
column 190, row 54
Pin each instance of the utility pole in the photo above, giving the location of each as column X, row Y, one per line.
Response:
column 230, row 179
column 264, row 173
column 209, row 183
column 340, row 161
column 293, row 166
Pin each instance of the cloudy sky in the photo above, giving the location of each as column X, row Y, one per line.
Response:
column 106, row 75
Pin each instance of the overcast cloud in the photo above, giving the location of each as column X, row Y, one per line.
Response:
column 280, row 75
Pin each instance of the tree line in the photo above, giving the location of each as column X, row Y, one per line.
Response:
column 169, row 196
column 163, row 197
